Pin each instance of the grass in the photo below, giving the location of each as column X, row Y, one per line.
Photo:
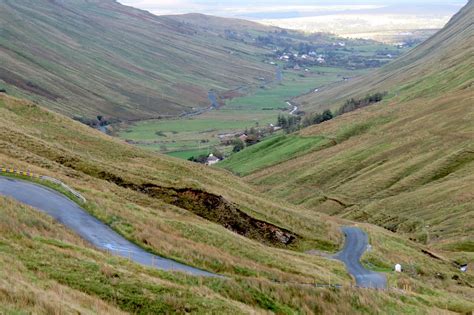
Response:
column 150, row 71
column 294, row 84
column 405, row 163
column 264, row 277
column 270, row 152
column 174, row 128
column 186, row 154
column 396, row 174
column 46, row 269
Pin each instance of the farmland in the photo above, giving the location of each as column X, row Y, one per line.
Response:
column 198, row 135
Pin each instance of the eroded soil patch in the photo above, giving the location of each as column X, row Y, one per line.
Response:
column 213, row 208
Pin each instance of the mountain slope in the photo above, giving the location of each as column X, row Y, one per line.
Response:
column 405, row 163
column 156, row 202
column 99, row 57
column 442, row 57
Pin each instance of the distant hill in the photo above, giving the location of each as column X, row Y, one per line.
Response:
column 216, row 23
column 406, row 163
column 91, row 58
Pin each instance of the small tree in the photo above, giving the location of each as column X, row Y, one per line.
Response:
column 238, row 144
column 327, row 115
column 218, row 154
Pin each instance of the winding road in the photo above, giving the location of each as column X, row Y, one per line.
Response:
column 103, row 237
column 355, row 245
column 88, row 227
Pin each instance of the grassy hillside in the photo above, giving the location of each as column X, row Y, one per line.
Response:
column 157, row 202
column 98, row 57
column 405, row 163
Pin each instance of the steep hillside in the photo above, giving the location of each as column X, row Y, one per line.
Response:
column 190, row 213
column 101, row 58
column 405, row 163
column 441, row 58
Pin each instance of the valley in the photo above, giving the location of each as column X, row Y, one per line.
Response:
column 360, row 164
column 350, row 193
column 199, row 135
column 252, row 106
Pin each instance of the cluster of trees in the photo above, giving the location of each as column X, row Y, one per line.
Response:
column 238, row 145
column 294, row 123
column 317, row 118
column 353, row 104
column 275, row 41
column 289, row 123
column 253, row 136
column 99, row 121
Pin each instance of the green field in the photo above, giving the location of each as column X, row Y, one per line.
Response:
column 294, row 84
column 271, row 152
column 197, row 135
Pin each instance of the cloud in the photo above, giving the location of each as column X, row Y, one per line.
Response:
column 262, row 8
column 164, row 6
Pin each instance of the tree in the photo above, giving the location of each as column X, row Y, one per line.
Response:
column 282, row 121
column 327, row 115
column 199, row 159
column 238, row 144
column 218, row 154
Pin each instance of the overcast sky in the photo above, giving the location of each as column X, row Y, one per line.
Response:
column 261, row 9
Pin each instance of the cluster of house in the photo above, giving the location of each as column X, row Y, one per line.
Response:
column 228, row 138
column 311, row 56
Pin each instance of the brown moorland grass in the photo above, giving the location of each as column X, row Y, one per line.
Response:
column 411, row 174
column 406, row 163
column 264, row 277
column 52, row 145
column 46, row 269
column 93, row 58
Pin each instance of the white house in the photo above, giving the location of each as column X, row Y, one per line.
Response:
column 211, row 160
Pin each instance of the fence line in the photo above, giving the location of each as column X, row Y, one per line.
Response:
column 17, row 172
column 30, row 174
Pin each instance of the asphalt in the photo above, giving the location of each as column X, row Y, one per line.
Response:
column 355, row 245
column 88, row 227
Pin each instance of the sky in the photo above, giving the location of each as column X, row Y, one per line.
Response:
column 271, row 9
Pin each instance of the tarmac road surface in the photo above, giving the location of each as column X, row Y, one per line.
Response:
column 355, row 245
column 85, row 225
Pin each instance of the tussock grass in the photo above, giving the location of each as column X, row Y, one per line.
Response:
column 46, row 269
column 263, row 279
column 405, row 163
column 124, row 63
